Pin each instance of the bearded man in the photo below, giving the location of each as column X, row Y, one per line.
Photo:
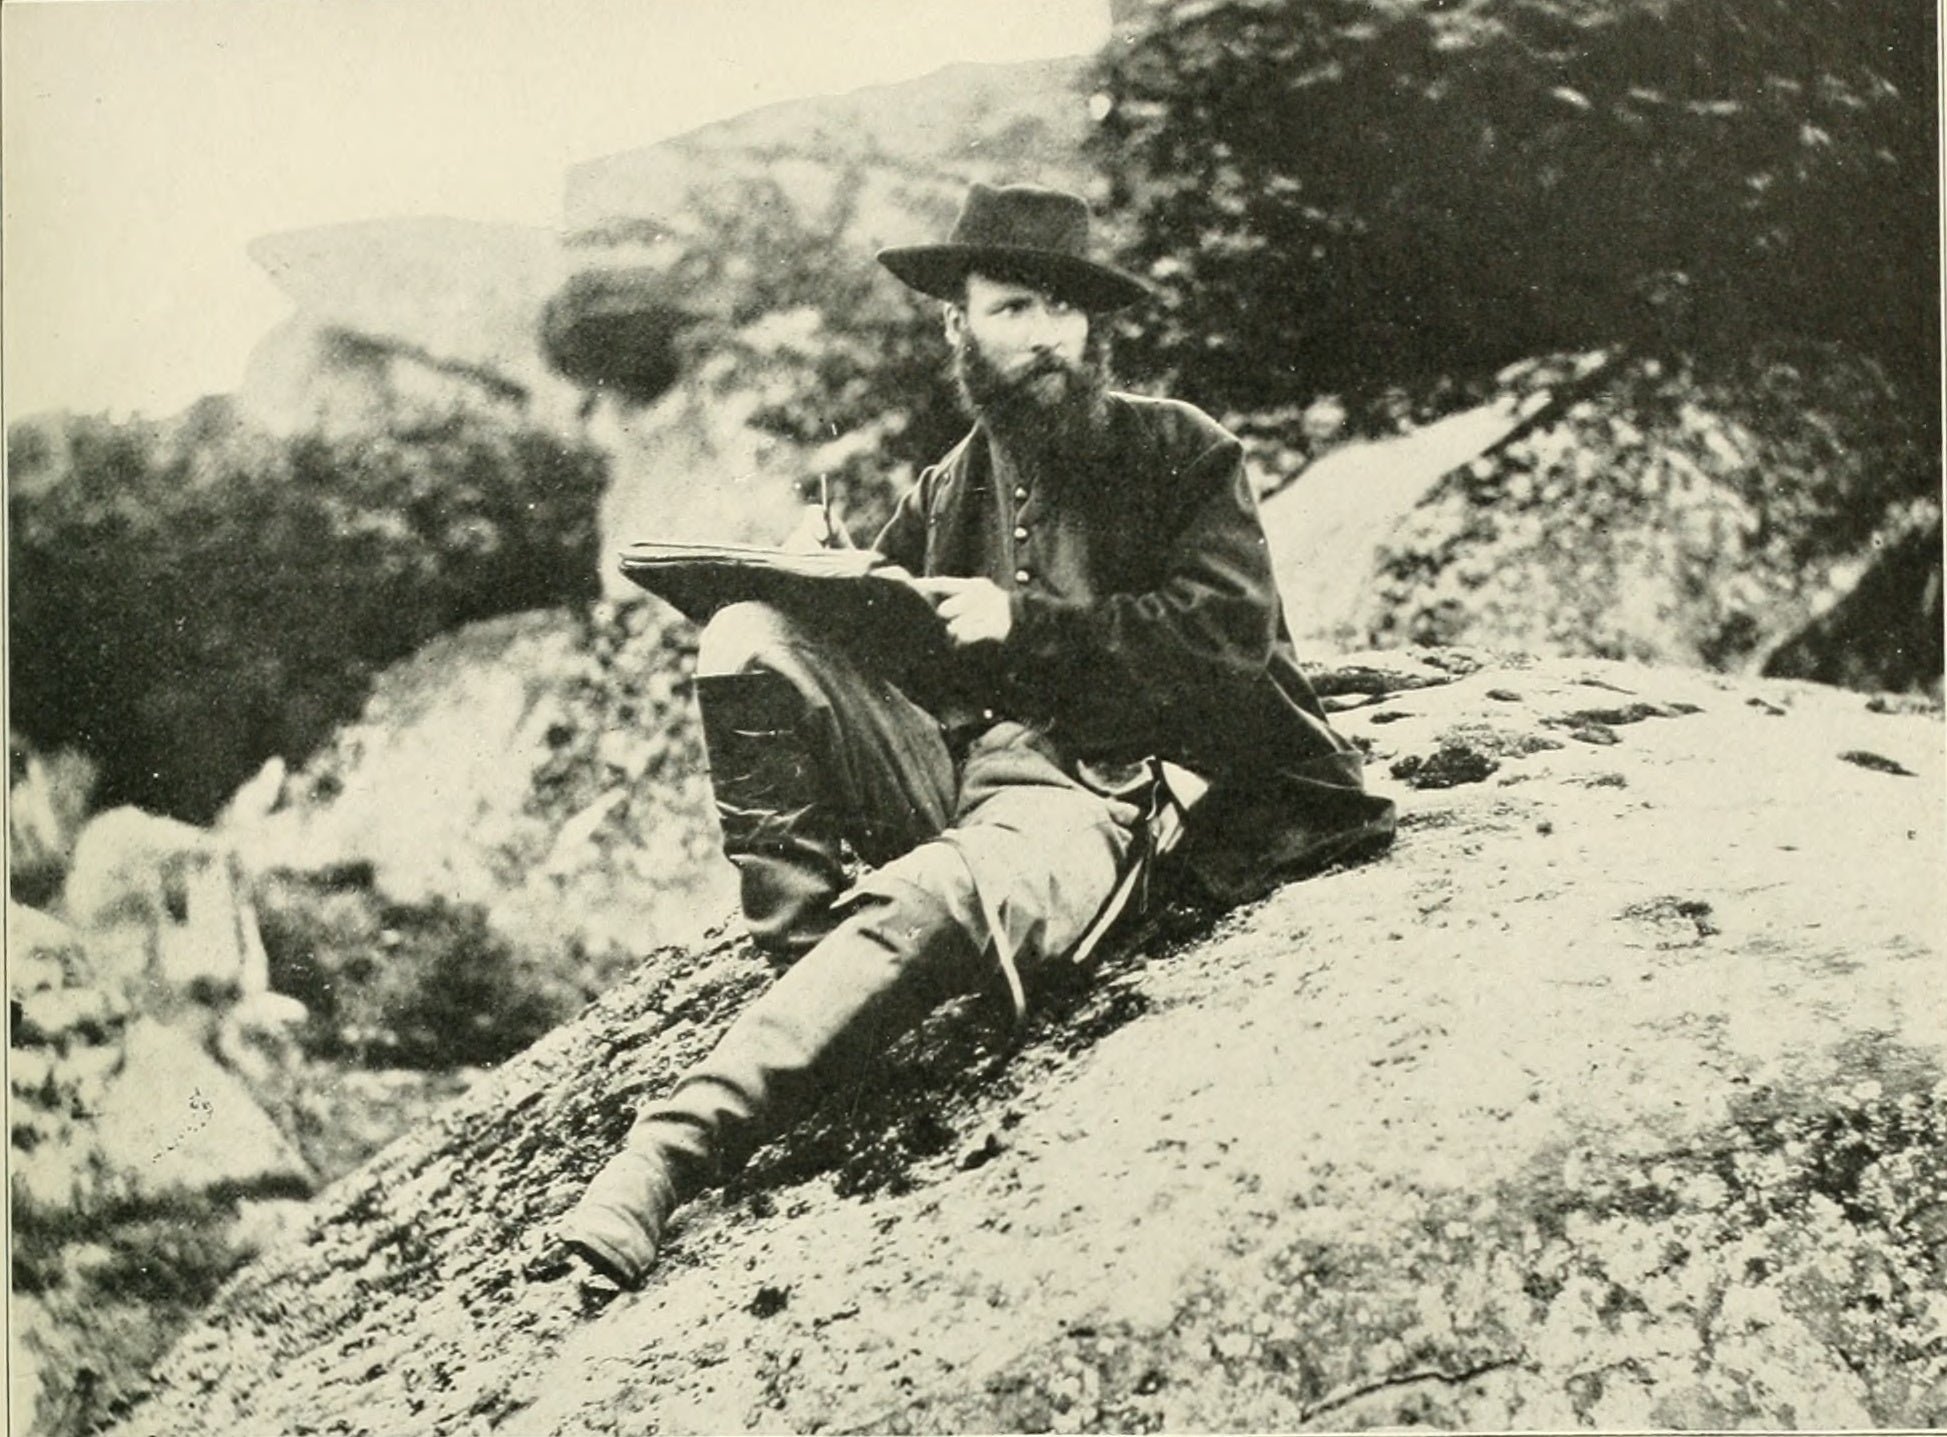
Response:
column 1102, row 576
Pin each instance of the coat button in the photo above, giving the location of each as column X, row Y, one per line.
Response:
column 1020, row 533
column 1020, row 493
column 1021, row 576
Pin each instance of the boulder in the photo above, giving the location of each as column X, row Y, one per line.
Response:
column 1612, row 1096
column 1327, row 529
column 541, row 767
column 110, row 1103
column 392, row 314
column 172, row 1119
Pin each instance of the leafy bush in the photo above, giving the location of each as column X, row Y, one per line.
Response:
column 404, row 985
column 1338, row 195
column 190, row 600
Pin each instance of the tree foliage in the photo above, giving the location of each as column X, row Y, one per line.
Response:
column 427, row 985
column 1338, row 193
column 191, row 600
column 772, row 293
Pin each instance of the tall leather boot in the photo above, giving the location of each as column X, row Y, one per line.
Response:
column 895, row 954
column 772, row 803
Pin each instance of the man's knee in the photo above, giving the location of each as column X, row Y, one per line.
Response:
column 746, row 637
column 929, row 892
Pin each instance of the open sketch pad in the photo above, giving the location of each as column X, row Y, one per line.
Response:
column 856, row 595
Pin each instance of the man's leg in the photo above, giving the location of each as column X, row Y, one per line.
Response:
column 806, row 749
column 896, row 951
column 1044, row 850
column 1026, row 865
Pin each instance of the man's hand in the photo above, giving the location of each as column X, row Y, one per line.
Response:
column 975, row 611
column 818, row 528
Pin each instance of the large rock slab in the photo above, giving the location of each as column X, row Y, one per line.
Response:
column 1612, row 1096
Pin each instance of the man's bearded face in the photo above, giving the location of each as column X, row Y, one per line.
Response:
column 1029, row 365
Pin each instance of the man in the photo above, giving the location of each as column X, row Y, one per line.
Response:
column 1105, row 587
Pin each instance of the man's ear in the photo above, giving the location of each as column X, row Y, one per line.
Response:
column 956, row 324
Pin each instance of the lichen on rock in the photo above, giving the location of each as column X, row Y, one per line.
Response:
column 1612, row 1096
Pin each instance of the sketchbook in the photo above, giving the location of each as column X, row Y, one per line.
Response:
column 854, row 595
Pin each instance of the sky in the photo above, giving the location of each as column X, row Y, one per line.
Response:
column 144, row 143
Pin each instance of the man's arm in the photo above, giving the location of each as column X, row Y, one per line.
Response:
column 903, row 539
column 1140, row 670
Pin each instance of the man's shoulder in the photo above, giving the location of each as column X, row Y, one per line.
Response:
column 1174, row 421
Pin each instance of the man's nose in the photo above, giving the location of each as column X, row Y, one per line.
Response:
column 1046, row 331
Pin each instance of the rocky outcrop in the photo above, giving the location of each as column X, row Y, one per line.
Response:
column 1690, row 510
column 395, row 317
column 181, row 1121
column 539, row 767
column 142, row 1163
column 1612, row 1096
column 920, row 141
column 137, row 1023
column 1328, row 528
column 165, row 908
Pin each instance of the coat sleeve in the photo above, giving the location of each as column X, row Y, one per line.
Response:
column 1131, row 671
column 903, row 539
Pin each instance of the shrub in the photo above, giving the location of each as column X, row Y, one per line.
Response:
column 426, row 985
column 190, row 600
column 1350, row 193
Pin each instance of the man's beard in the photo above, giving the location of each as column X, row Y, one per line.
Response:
column 1045, row 426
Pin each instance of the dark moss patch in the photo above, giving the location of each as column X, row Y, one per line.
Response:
column 1595, row 733
column 1676, row 922
column 1620, row 714
column 1447, row 767
column 769, row 1301
column 1876, row 763
column 1416, row 818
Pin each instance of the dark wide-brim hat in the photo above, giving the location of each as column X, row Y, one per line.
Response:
column 1022, row 233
